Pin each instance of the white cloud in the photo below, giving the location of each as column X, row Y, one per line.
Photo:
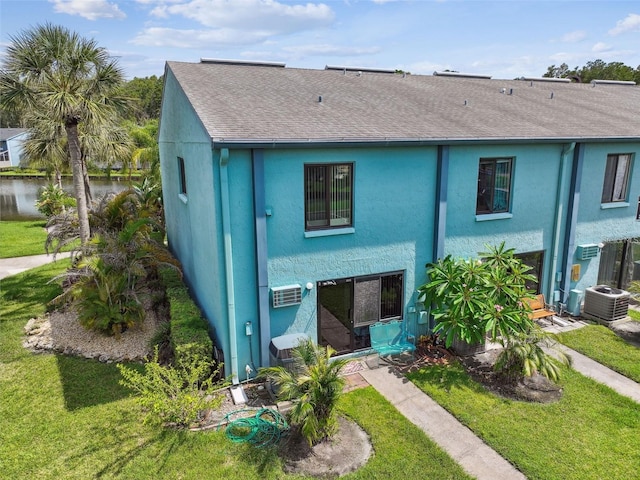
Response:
column 248, row 15
column 171, row 37
column 629, row 24
column 326, row 49
column 89, row 9
column 600, row 47
column 231, row 22
column 575, row 36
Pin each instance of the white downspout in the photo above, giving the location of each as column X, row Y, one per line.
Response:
column 228, row 262
column 558, row 221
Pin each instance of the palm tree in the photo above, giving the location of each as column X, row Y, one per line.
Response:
column 314, row 384
column 72, row 80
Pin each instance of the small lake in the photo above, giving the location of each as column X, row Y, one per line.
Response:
column 18, row 195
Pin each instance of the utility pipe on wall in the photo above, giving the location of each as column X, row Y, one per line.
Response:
column 228, row 263
column 558, row 220
column 572, row 219
column 259, row 209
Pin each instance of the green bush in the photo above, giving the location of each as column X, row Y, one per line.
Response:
column 53, row 200
column 189, row 337
column 471, row 299
column 174, row 395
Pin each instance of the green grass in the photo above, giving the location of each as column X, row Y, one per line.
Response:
column 601, row 344
column 68, row 418
column 591, row 433
column 18, row 239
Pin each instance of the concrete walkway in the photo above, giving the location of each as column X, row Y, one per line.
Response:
column 12, row 266
column 475, row 456
column 594, row 370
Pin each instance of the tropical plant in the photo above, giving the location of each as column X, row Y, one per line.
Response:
column 113, row 269
column 472, row 299
column 525, row 354
column 313, row 382
column 105, row 297
column 175, row 395
column 71, row 80
column 53, row 200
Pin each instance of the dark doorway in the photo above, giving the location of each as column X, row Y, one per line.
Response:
column 346, row 308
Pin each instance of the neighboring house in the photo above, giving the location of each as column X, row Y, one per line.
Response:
column 309, row 201
column 11, row 146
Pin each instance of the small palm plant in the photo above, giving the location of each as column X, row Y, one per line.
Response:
column 314, row 384
column 525, row 354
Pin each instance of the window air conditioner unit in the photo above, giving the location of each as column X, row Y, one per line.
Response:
column 585, row 252
column 286, row 296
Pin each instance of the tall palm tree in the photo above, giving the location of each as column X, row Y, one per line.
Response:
column 74, row 81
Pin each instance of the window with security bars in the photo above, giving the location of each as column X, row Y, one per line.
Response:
column 328, row 196
column 616, row 178
column 494, row 185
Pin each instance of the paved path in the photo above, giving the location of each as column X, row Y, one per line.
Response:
column 598, row 372
column 12, row 266
column 475, row 456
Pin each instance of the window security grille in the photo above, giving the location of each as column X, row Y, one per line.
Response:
column 286, row 296
column 585, row 252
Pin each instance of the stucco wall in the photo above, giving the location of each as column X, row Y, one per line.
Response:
column 394, row 193
column 193, row 221
column 595, row 223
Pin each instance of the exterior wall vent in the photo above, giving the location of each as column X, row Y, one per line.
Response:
column 286, row 296
column 588, row 251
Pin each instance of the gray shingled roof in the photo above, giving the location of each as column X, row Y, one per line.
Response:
column 262, row 104
column 7, row 133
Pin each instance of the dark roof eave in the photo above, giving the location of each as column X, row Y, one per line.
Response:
column 397, row 142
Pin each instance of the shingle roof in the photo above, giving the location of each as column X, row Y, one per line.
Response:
column 7, row 133
column 266, row 104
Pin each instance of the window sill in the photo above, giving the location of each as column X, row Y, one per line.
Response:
column 606, row 206
column 183, row 198
column 493, row 216
column 329, row 232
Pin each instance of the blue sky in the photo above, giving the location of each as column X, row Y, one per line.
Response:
column 505, row 39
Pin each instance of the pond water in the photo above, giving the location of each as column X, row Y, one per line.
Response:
column 18, row 195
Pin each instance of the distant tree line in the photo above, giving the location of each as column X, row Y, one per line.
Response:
column 595, row 70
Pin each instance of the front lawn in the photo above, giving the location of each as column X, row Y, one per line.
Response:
column 604, row 346
column 65, row 418
column 592, row 433
column 18, row 239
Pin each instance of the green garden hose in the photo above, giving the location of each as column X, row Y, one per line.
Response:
column 264, row 428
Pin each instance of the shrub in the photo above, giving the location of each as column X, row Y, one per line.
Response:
column 523, row 355
column 189, row 337
column 176, row 395
column 471, row 299
column 53, row 200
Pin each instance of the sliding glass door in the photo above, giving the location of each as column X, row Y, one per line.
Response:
column 347, row 306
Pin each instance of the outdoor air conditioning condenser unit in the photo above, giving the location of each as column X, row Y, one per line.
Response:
column 604, row 303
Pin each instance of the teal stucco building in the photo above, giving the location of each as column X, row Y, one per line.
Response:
column 309, row 201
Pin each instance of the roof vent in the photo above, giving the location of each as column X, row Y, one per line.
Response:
column 286, row 295
column 612, row 82
column 246, row 63
column 461, row 75
column 546, row 79
column 358, row 69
